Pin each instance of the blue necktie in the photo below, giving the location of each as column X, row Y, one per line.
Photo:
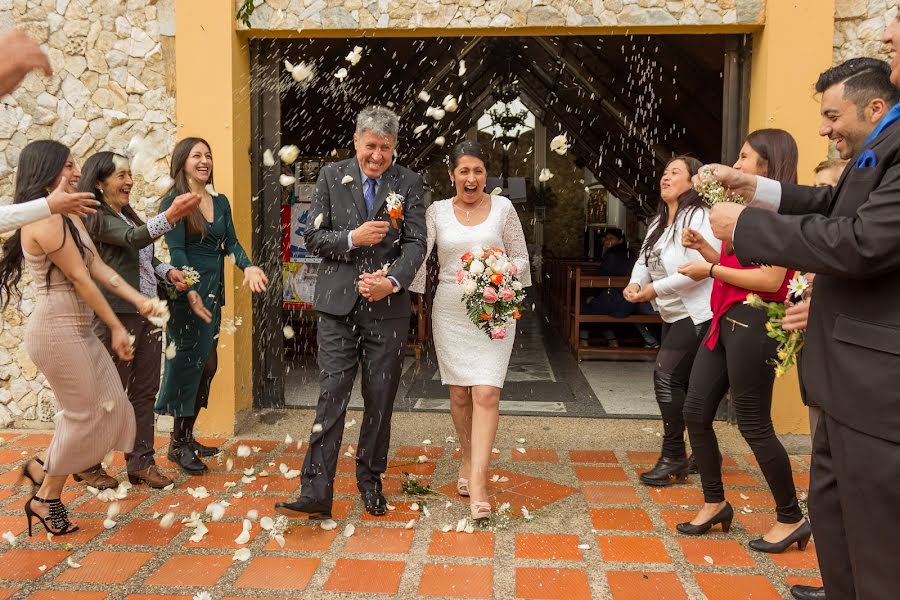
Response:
column 370, row 195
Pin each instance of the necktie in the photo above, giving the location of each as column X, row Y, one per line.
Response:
column 370, row 196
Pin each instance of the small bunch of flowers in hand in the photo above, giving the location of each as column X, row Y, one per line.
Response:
column 492, row 291
column 711, row 190
column 158, row 312
column 789, row 342
column 191, row 276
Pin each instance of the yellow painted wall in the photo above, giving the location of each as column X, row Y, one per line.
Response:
column 788, row 55
column 212, row 101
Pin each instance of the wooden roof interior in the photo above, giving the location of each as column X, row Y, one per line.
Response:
column 626, row 103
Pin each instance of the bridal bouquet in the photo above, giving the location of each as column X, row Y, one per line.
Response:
column 789, row 342
column 711, row 190
column 492, row 291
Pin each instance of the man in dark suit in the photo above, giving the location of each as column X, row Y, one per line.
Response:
column 849, row 236
column 367, row 222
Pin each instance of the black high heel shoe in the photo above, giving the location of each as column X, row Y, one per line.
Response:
column 800, row 536
column 58, row 517
column 725, row 516
column 666, row 471
column 26, row 474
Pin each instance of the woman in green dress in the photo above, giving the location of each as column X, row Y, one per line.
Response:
column 201, row 242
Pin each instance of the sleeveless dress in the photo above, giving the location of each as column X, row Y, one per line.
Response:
column 96, row 416
column 466, row 355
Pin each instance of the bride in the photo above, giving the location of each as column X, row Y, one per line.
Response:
column 471, row 363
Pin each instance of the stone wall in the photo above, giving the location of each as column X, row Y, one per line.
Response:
column 858, row 27
column 463, row 14
column 113, row 79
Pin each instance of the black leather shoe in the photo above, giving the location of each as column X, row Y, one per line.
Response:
column 666, row 471
column 201, row 450
column 807, row 592
column 304, row 506
column 800, row 536
column 376, row 505
column 189, row 462
column 724, row 516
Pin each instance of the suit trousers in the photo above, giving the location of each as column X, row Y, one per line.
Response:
column 345, row 344
column 854, row 495
column 140, row 378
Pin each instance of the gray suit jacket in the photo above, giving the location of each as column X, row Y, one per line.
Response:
column 850, row 237
column 342, row 208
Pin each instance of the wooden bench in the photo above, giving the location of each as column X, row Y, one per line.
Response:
column 587, row 278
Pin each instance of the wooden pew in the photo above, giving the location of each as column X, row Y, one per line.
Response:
column 583, row 278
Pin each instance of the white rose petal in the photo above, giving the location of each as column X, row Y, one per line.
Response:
column 461, row 525
column 708, row 559
column 268, row 158
column 462, row 68
column 545, row 175
column 317, row 427
column 422, row 459
column 202, row 596
column 495, row 451
column 288, row 154
column 390, row 506
column 288, row 332
column 267, row 523
column 279, row 539
column 318, row 221
column 521, row 440
column 113, row 510
column 283, row 468
column 328, row 524
column 420, row 128
column 292, row 474
column 253, row 514
column 496, row 191
column 341, row 74
column 426, row 442
column 560, row 144
column 288, row 439
column 167, row 520
column 503, row 479
column 244, row 536
column 348, row 425
column 288, row 66
column 216, row 511
column 243, row 451
column 108, row 523
column 10, row 538
column 414, row 506
column 348, row 179
column 286, row 180
column 495, row 478
column 354, row 57
column 170, row 350
column 520, row 450
column 349, row 530
column 242, row 554
column 410, row 524
column 42, row 568
column 584, row 546
column 440, row 140
column 210, row 190
column 71, row 562
column 446, row 528
column 424, row 96
column 302, row 72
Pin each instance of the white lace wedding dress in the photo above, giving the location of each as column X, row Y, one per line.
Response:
column 466, row 355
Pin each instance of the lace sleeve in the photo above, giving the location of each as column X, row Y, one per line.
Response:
column 418, row 284
column 514, row 243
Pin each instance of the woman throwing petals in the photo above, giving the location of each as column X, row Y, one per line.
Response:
column 201, row 242
column 472, row 363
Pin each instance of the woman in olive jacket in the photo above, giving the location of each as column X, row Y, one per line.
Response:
column 125, row 243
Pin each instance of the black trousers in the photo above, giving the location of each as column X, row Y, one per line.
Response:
column 853, row 506
column 140, row 378
column 739, row 360
column 671, row 376
column 345, row 344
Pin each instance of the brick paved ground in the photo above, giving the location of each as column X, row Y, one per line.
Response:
column 595, row 533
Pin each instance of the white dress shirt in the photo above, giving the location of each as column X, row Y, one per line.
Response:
column 16, row 216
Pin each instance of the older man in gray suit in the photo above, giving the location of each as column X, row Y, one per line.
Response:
column 367, row 222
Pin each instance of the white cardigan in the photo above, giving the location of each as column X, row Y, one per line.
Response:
column 693, row 294
column 16, row 216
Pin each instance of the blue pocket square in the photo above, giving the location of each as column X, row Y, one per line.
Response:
column 867, row 160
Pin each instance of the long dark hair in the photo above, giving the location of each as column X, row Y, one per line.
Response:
column 97, row 169
column 40, row 164
column 194, row 222
column 468, row 148
column 688, row 202
column 779, row 149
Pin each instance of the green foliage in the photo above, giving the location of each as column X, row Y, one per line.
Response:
column 245, row 11
column 412, row 487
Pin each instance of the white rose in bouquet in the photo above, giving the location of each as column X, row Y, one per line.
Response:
column 516, row 285
column 501, row 265
column 477, row 251
column 476, row 268
column 470, row 288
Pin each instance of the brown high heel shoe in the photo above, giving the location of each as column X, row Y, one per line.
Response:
column 59, row 518
column 26, row 474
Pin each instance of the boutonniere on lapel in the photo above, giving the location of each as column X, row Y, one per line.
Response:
column 394, row 205
column 867, row 160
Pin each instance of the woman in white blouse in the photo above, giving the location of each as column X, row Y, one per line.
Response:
column 682, row 303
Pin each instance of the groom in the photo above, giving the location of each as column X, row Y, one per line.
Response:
column 367, row 217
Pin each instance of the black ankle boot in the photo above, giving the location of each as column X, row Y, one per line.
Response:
column 180, row 450
column 201, row 450
column 666, row 472
column 188, row 461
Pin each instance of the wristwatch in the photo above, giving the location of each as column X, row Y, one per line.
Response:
column 396, row 289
